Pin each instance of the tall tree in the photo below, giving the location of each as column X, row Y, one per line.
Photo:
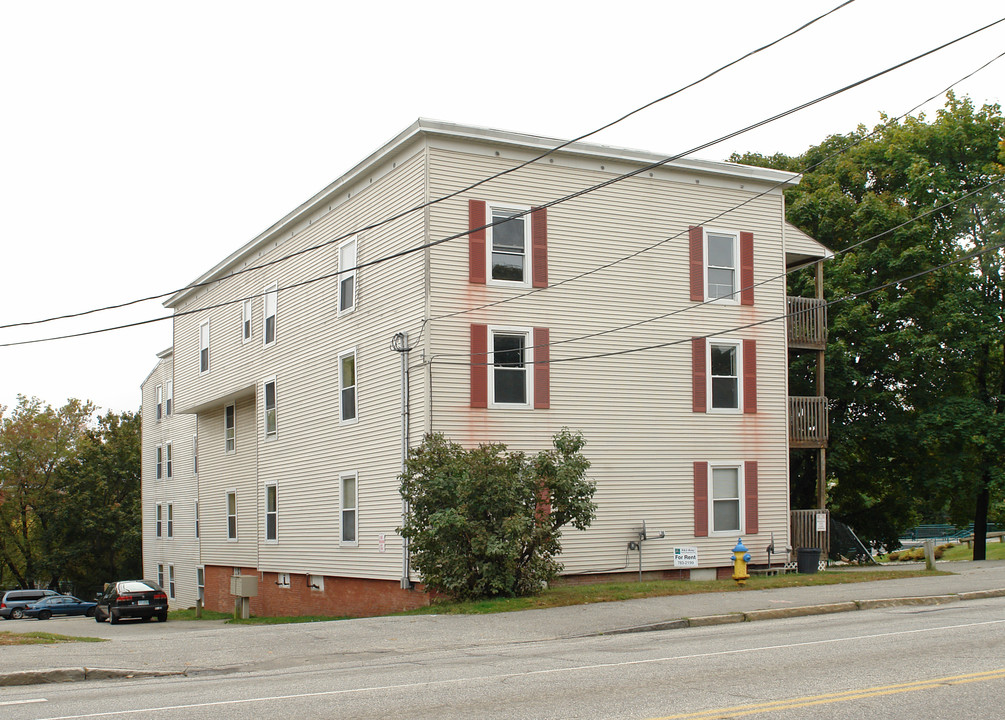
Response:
column 916, row 370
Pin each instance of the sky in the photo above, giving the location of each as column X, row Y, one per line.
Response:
column 141, row 143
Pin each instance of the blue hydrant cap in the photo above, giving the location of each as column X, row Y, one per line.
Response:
column 739, row 546
column 746, row 558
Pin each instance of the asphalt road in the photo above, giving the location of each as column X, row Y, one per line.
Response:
column 905, row 662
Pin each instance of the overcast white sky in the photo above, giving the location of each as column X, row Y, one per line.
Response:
column 143, row 142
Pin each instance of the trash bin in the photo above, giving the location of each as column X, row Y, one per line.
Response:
column 808, row 560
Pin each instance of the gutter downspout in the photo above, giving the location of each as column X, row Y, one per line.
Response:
column 399, row 343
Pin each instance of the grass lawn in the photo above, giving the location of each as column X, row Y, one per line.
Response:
column 41, row 638
column 189, row 614
column 952, row 551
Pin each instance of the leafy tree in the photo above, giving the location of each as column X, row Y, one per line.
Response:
column 916, row 370
column 486, row 522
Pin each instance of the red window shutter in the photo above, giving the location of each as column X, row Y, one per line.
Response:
column 696, row 245
column 542, row 369
column 479, row 366
column 539, row 246
column 746, row 268
column 701, row 499
column 750, row 495
column 476, row 241
column 750, row 376
column 698, row 375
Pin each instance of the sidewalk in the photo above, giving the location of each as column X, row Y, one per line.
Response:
column 196, row 647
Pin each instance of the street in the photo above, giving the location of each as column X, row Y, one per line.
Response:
column 904, row 662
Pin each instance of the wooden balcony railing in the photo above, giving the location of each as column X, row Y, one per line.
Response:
column 808, row 422
column 807, row 323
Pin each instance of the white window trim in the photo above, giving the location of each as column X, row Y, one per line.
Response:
column 354, row 241
column 168, row 461
column 733, row 299
column 265, row 410
column 196, row 525
column 200, row 582
column 195, row 455
column 158, row 521
column 265, row 528
column 738, row 344
column 171, row 587
column 226, row 450
column 740, row 488
column 227, row 515
column 355, row 364
column 170, row 520
column 209, row 359
column 273, row 290
column 159, row 462
column 247, row 321
column 342, row 509
column 169, row 401
column 283, row 580
column 528, row 256
column 159, row 412
column 316, row 583
column 160, row 574
column 528, row 362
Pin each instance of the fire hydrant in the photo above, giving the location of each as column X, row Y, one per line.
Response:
column 740, row 559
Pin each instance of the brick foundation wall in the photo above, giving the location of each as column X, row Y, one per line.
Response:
column 352, row 597
column 647, row 576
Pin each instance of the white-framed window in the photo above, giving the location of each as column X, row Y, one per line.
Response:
column 167, row 458
column 348, row 514
column 508, row 244
column 269, row 409
column 726, row 498
column 721, row 265
column 159, row 462
column 316, row 582
column 170, row 520
column 169, row 406
column 230, row 428
column 160, row 402
column 158, row 521
column 246, row 321
column 197, row 518
column 347, row 276
column 195, row 454
column 511, row 357
column 200, row 583
column 269, row 327
column 283, row 580
column 204, row 348
column 232, row 515
column 171, row 581
column 347, row 386
column 271, row 513
column 160, row 575
column 725, row 381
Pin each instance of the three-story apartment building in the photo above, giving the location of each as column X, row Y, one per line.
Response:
column 647, row 312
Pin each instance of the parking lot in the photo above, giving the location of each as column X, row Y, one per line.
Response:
column 126, row 629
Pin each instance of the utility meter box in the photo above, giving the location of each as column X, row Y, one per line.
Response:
column 244, row 585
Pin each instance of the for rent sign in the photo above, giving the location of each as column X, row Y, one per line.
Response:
column 685, row 557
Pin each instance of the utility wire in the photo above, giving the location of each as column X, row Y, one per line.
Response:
column 449, row 196
column 557, row 201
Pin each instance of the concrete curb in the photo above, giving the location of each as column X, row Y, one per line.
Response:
column 60, row 675
column 806, row 610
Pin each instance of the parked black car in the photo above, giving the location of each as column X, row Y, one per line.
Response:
column 13, row 601
column 59, row 605
column 131, row 599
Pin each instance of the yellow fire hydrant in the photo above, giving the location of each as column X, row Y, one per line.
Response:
column 740, row 559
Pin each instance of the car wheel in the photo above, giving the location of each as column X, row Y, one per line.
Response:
column 16, row 614
column 90, row 612
column 162, row 617
column 113, row 618
column 44, row 614
column 97, row 617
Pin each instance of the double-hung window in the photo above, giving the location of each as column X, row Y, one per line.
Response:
column 721, row 265
column 197, row 518
column 171, row 581
column 200, row 583
column 347, row 504
column 204, row 347
column 168, row 408
column 232, row 515
column 726, row 498
column 724, row 376
column 230, row 428
column 159, row 462
column 158, row 521
column 347, row 276
column 167, row 457
column 170, row 520
column 509, row 364
column 271, row 301
column 509, row 246
column 347, row 386
column 160, row 575
column 271, row 513
column 246, row 321
column 269, row 418
column 160, row 401
column 195, row 454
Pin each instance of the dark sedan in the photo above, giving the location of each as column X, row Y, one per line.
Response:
column 132, row 599
column 59, row 605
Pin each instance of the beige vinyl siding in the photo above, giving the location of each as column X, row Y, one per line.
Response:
column 634, row 409
column 180, row 490
column 312, row 447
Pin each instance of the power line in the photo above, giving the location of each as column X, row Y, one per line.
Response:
column 449, row 196
column 551, row 203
